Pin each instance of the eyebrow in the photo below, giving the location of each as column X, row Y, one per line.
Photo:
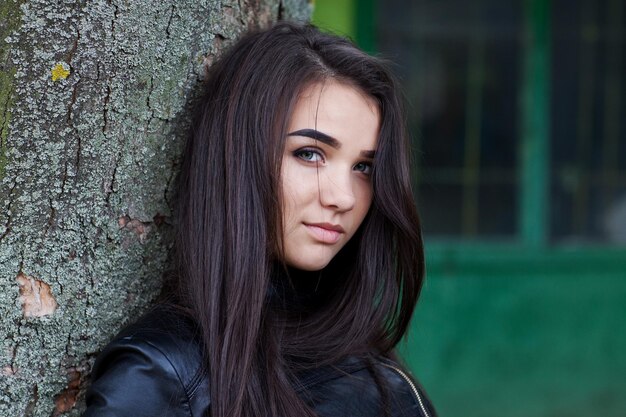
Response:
column 330, row 141
column 317, row 135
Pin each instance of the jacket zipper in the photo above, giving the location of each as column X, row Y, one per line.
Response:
column 412, row 385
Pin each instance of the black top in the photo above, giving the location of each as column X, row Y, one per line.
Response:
column 154, row 368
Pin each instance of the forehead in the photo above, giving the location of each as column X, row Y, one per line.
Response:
column 339, row 110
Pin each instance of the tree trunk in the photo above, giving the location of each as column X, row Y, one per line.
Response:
column 94, row 104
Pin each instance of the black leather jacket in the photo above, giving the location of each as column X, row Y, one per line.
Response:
column 153, row 368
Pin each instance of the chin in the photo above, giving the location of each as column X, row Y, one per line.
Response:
column 309, row 264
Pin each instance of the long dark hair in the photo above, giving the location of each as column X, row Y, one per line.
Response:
column 230, row 218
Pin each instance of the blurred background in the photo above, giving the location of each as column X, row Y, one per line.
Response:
column 517, row 111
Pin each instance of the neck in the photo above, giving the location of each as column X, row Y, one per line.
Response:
column 296, row 291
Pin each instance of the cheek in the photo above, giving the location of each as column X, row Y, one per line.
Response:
column 288, row 203
column 293, row 194
column 299, row 187
column 364, row 200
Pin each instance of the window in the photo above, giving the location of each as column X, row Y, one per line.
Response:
column 518, row 114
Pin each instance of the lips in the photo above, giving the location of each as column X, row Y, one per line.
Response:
column 325, row 232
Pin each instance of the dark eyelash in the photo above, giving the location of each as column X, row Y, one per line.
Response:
column 368, row 164
column 297, row 153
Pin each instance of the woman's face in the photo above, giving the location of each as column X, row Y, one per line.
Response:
column 325, row 172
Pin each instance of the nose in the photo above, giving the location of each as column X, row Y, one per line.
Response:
column 336, row 191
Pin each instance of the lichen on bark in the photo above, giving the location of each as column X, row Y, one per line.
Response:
column 9, row 21
column 98, row 93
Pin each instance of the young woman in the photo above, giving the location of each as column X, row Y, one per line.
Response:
column 299, row 247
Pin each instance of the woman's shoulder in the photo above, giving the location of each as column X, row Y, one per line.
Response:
column 152, row 366
column 165, row 331
column 405, row 386
column 365, row 387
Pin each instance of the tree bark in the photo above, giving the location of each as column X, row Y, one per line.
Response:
column 94, row 104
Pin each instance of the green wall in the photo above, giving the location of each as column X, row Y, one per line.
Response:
column 530, row 334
